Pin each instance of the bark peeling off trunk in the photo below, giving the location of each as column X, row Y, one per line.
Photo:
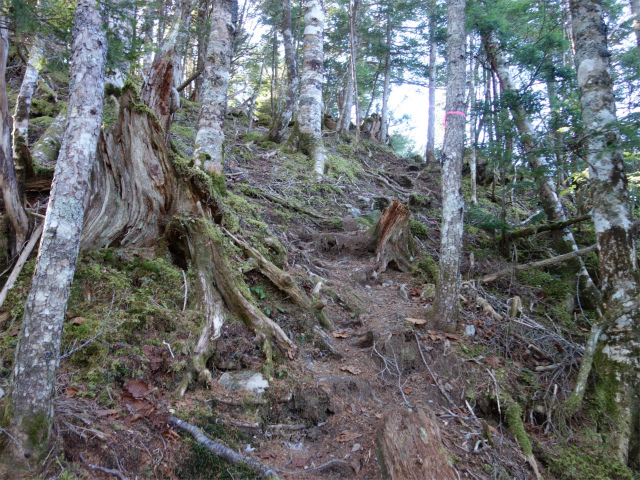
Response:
column 136, row 188
column 37, row 356
column 307, row 133
column 208, row 152
column 612, row 220
column 412, row 448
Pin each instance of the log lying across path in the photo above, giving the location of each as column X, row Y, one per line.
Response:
column 542, row 263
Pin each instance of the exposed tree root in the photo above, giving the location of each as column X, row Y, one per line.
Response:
column 223, row 452
column 283, row 281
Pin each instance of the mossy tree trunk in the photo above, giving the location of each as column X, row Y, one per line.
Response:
column 208, row 151
column 307, row 133
column 8, row 182
column 620, row 355
column 45, row 151
column 29, row 412
column 551, row 203
column 445, row 307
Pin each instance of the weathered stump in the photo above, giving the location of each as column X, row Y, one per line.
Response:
column 392, row 237
column 412, row 447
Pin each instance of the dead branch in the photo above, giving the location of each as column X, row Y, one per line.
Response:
column 541, row 263
column 527, row 232
column 24, row 256
column 115, row 473
column 186, row 83
column 223, row 452
column 284, row 203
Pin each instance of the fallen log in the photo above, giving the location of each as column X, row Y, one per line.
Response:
column 527, row 232
column 541, row 263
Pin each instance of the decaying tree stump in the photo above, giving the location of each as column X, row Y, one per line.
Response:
column 412, row 447
column 392, row 238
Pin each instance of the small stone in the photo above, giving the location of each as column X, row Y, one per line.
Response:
column 469, row 330
column 251, row 381
column 355, row 212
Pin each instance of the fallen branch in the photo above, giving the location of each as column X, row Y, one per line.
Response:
column 223, row 452
column 283, row 202
column 541, row 263
column 22, row 259
column 115, row 473
column 527, row 232
column 186, row 83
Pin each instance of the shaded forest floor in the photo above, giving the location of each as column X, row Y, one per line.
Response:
column 330, row 403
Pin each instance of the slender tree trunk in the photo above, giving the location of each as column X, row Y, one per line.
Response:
column 203, row 35
column 635, row 10
column 355, row 43
column 307, row 133
column 344, row 122
column 213, row 92
column 612, row 219
column 8, row 182
column 29, row 412
column 431, row 125
column 473, row 69
column 282, row 118
column 445, row 307
column 386, row 89
column 565, row 243
column 21, row 155
column 373, row 93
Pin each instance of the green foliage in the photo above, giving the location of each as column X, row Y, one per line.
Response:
column 571, row 462
column 252, row 137
column 485, row 220
column 552, row 285
column 426, row 268
column 419, row 230
column 342, row 167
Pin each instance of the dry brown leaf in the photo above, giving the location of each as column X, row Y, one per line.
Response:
column 148, row 350
column 168, row 433
column 138, row 405
column 493, row 361
column 452, row 336
column 338, row 334
column 78, row 321
column 347, row 436
column 406, row 390
column 379, row 415
column 138, row 388
column 355, row 464
column 71, row 392
column 351, row 369
column 416, row 321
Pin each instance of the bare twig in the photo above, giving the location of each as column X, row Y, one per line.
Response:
column 184, row 278
column 115, row 473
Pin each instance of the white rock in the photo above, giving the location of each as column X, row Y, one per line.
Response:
column 251, row 381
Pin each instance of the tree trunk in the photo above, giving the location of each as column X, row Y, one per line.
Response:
column 283, row 117
column 344, row 122
column 307, row 133
column 158, row 92
column 612, row 220
column 203, row 35
column 8, row 182
column 30, row 411
column 21, row 156
column 565, row 243
column 386, row 88
column 473, row 69
column 208, row 152
column 433, row 51
column 635, row 11
column 445, row 307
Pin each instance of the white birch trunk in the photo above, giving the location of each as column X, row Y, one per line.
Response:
column 307, row 134
column 208, row 152
column 21, row 155
column 612, row 220
column 38, row 352
column 8, row 183
column 553, row 208
column 445, row 307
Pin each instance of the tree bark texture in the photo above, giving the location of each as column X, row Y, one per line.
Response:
column 411, row 445
column 8, row 182
column 21, row 156
column 208, row 152
column 158, row 92
column 473, row 70
column 431, row 122
column 284, row 116
column 445, row 307
column 307, row 134
column 612, row 220
column 553, row 208
column 386, row 88
column 37, row 356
